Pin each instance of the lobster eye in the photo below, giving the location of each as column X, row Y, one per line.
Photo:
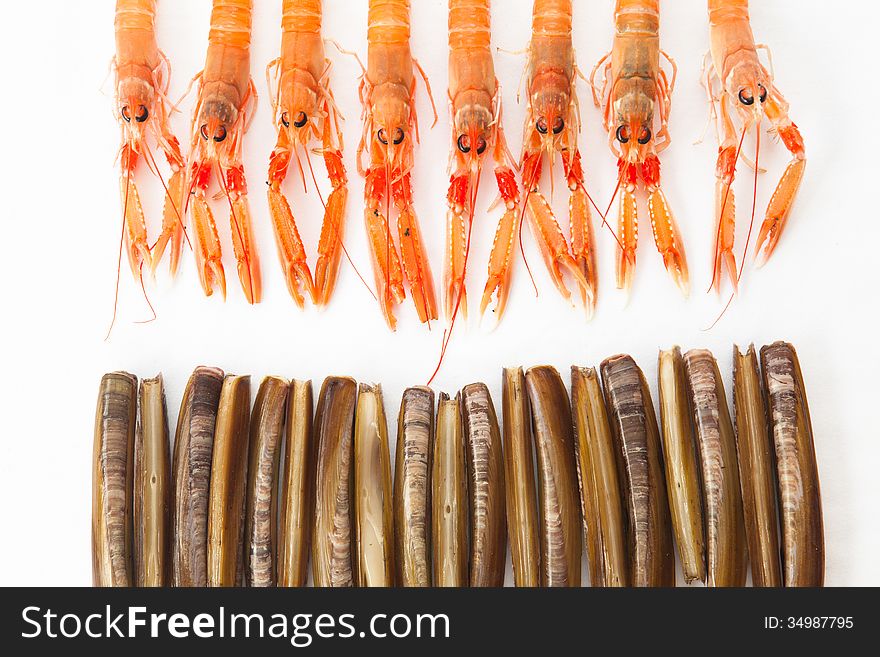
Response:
column 381, row 136
column 398, row 136
column 301, row 120
column 746, row 98
column 558, row 125
column 622, row 134
column 541, row 126
column 125, row 115
column 142, row 114
column 203, row 131
column 763, row 95
column 285, row 120
column 464, row 144
column 644, row 136
column 481, row 146
column 220, row 133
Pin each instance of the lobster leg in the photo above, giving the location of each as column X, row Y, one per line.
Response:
column 207, row 242
column 458, row 199
column 628, row 225
column 725, row 203
column 333, row 227
column 242, row 233
column 291, row 251
column 386, row 261
column 506, row 235
column 581, row 229
column 172, row 210
column 551, row 242
column 666, row 234
column 135, row 230
column 412, row 250
column 787, row 188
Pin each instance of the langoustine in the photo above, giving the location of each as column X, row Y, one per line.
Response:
column 304, row 112
column 142, row 109
column 226, row 103
column 739, row 84
column 635, row 99
column 390, row 132
column 477, row 134
column 552, row 126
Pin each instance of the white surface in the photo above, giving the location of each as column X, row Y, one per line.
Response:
column 61, row 225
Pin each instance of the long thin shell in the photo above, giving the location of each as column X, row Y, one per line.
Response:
column 756, row 469
column 726, row 557
column 682, row 475
column 800, row 502
column 374, row 531
column 603, row 508
column 267, row 423
column 412, row 487
column 152, row 488
column 638, row 442
column 228, row 482
column 522, row 505
column 332, row 537
column 298, row 469
column 115, row 418
column 561, row 546
column 193, row 449
column 449, row 514
column 488, row 523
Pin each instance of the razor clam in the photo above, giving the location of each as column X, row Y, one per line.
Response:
column 601, row 502
column 374, row 532
column 638, row 443
column 412, row 487
column 228, row 482
column 298, row 470
column 800, row 502
column 267, row 424
column 522, row 506
column 488, row 524
column 682, row 475
column 193, row 448
column 560, row 517
column 449, row 539
column 332, row 537
column 726, row 558
column 115, row 419
column 757, row 478
column 152, row 488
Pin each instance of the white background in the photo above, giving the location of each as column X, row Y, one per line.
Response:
column 61, row 219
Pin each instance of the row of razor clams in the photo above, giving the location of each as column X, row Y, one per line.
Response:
column 250, row 496
column 632, row 85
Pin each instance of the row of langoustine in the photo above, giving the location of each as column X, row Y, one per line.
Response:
column 252, row 494
column 635, row 98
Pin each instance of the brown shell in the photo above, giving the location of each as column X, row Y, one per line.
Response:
column 449, row 510
column 756, row 469
column 152, row 488
column 560, row 517
column 112, row 469
column 726, row 558
column 519, row 461
column 601, row 501
column 374, row 530
column 193, row 450
column 800, row 501
column 332, row 538
column 680, row 458
column 297, row 502
column 412, row 487
column 488, row 523
column 229, row 463
column 649, row 534
column 267, row 424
